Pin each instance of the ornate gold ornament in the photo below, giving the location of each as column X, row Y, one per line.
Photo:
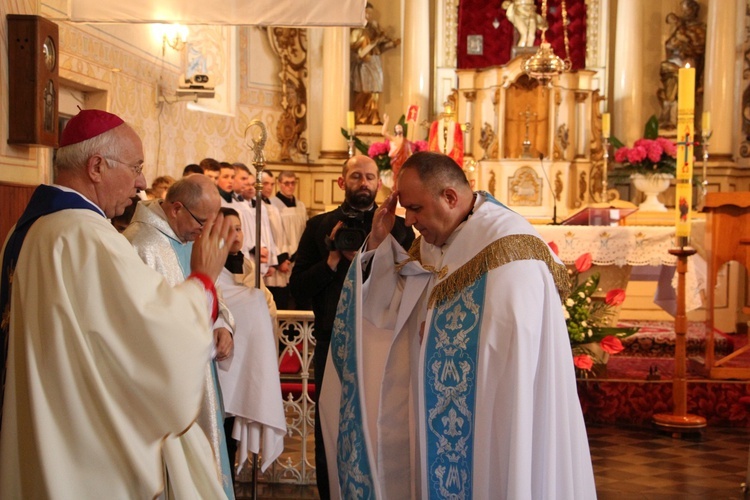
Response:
column 545, row 65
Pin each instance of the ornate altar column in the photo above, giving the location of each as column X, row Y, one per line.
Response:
column 719, row 73
column 469, row 96
column 627, row 122
column 416, row 63
column 581, row 124
column 335, row 92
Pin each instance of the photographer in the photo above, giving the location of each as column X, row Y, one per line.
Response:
column 325, row 251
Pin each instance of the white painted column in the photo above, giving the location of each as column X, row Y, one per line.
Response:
column 335, row 92
column 719, row 72
column 416, row 64
column 627, row 102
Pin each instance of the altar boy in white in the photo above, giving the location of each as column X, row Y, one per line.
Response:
column 467, row 360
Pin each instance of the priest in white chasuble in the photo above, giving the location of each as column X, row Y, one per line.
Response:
column 162, row 232
column 105, row 358
column 450, row 373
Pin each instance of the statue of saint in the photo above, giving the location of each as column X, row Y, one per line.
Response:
column 400, row 148
column 522, row 14
column 366, row 68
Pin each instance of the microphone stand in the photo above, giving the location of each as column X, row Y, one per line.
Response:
column 554, row 198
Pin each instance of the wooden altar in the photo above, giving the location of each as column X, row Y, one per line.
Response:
column 537, row 148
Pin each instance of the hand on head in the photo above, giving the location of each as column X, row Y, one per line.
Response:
column 383, row 221
column 211, row 248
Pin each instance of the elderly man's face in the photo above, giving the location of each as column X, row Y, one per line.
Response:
column 189, row 221
column 120, row 178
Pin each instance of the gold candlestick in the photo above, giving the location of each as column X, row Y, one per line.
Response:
column 350, row 142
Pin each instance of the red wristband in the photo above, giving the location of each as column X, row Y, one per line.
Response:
column 210, row 288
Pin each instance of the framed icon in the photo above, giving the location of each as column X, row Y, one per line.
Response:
column 475, row 45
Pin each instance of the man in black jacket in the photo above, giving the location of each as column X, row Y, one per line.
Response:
column 325, row 251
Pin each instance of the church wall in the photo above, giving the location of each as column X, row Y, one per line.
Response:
column 118, row 68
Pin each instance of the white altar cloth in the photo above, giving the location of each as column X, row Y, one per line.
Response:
column 635, row 246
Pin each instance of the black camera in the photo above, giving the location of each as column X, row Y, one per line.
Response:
column 349, row 238
column 351, row 235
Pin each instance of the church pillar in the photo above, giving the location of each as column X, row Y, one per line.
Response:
column 335, row 92
column 416, row 56
column 627, row 122
column 719, row 73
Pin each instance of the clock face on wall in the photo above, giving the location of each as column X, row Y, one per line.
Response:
column 50, row 55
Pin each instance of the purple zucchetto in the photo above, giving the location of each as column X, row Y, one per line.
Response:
column 86, row 124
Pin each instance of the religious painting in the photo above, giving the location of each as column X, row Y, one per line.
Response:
column 525, row 188
column 475, row 45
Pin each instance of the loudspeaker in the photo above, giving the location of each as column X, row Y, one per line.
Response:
column 32, row 80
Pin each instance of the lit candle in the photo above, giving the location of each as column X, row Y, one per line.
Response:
column 685, row 141
column 605, row 125
column 706, row 122
column 350, row 120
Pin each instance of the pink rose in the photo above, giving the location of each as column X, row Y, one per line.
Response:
column 420, row 146
column 668, row 146
column 611, row 344
column 583, row 362
column 621, row 155
column 655, row 151
column 637, row 154
column 377, row 148
column 615, row 297
column 553, row 247
column 583, row 263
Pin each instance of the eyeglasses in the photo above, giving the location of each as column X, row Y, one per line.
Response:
column 288, row 183
column 138, row 168
column 200, row 222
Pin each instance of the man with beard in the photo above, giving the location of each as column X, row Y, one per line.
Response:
column 319, row 272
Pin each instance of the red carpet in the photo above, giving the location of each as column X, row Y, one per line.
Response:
column 637, row 383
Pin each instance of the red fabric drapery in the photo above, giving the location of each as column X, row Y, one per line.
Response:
column 475, row 17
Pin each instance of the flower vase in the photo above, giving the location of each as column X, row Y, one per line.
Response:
column 652, row 186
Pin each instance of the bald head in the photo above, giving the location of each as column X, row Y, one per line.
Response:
column 189, row 203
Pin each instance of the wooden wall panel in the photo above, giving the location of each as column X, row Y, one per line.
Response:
column 13, row 200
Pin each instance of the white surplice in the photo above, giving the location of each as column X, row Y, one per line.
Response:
column 528, row 438
column 249, row 378
column 96, row 381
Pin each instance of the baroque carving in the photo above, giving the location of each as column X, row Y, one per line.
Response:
column 524, row 188
column 290, row 45
column 686, row 44
column 488, row 142
column 451, row 32
column 593, row 13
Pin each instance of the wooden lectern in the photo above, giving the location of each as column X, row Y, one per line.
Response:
column 727, row 239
